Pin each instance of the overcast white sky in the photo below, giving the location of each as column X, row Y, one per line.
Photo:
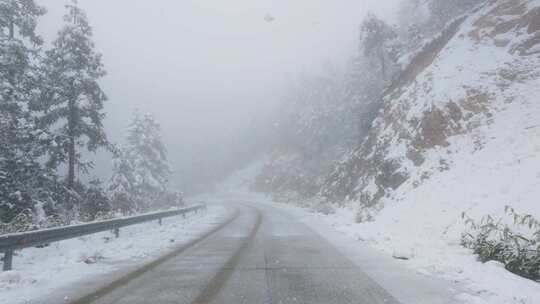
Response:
column 202, row 67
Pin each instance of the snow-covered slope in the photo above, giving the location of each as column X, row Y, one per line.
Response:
column 466, row 117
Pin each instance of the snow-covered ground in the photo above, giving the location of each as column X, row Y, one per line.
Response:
column 44, row 273
column 425, row 226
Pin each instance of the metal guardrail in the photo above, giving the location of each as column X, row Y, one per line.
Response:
column 17, row 241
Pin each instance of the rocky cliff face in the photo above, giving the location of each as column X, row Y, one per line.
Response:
column 482, row 70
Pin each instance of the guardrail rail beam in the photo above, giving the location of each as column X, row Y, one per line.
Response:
column 17, row 241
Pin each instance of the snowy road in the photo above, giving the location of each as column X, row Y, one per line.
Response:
column 262, row 256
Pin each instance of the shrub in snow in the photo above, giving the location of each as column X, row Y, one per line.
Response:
column 513, row 240
column 95, row 204
column 25, row 221
column 21, row 222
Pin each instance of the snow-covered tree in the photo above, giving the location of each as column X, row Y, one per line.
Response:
column 18, row 18
column 141, row 170
column 379, row 43
column 73, row 99
column 23, row 182
column 19, row 47
column 148, row 154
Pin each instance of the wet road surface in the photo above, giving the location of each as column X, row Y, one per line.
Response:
column 262, row 256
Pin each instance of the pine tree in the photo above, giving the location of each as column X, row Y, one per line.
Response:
column 19, row 47
column 379, row 44
column 24, row 184
column 73, row 99
column 147, row 154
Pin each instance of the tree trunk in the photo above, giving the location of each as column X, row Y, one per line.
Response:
column 71, row 152
column 11, row 30
column 71, row 170
column 383, row 64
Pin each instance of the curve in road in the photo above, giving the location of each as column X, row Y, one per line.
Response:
column 260, row 256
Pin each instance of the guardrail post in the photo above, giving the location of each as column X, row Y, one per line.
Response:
column 116, row 232
column 8, row 260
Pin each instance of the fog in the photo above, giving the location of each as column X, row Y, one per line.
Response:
column 205, row 68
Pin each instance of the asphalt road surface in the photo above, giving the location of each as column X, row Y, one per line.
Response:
column 261, row 256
